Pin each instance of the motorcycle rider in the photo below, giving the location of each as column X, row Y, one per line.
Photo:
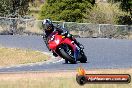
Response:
column 48, row 28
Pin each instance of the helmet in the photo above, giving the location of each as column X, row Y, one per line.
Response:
column 47, row 24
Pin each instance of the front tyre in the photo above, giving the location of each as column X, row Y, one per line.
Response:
column 66, row 56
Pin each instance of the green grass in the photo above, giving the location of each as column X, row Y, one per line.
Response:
column 12, row 56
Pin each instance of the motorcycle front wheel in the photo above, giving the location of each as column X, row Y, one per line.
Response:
column 66, row 56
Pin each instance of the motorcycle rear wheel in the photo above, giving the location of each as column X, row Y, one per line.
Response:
column 83, row 57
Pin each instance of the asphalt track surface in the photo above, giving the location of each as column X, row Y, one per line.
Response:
column 101, row 53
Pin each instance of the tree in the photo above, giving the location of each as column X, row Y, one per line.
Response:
column 4, row 7
column 126, row 5
column 67, row 10
column 14, row 7
column 103, row 13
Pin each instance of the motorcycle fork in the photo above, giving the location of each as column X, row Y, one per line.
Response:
column 76, row 53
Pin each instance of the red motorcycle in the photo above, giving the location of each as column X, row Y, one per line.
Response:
column 66, row 48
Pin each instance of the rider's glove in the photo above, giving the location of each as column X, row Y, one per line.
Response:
column 69, row 35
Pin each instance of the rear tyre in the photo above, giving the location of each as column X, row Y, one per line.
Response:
column 66, row 56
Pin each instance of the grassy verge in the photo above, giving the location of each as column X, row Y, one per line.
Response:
column 12, row 56
column 57, row 80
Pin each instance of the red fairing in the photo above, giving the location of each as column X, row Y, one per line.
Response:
column 68, row 41
column 56, row 40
